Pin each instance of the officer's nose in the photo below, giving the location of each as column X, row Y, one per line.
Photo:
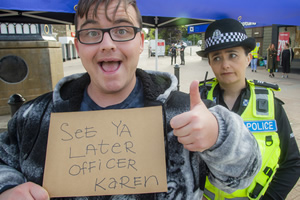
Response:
column 225, row 63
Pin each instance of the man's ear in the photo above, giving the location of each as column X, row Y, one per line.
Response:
column 142, row 41
column 76, row 45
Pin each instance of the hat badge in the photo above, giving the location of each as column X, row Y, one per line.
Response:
column 216, row 34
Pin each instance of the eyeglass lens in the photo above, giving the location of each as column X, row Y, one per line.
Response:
column 122, row 33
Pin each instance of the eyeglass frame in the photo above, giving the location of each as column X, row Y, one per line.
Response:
column 104, row 30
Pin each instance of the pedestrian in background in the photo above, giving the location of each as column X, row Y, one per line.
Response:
column 181, row 49
column 286, row 57
column 173, row 51
column 254, row 60
column 271, row 60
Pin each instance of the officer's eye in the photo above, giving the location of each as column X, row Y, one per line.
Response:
column 233, row 55
column 216, row 58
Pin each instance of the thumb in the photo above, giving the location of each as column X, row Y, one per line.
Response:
column 195, row 98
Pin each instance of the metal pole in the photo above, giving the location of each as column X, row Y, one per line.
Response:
column 156, row 39
column 177, row 74
column 156, row 55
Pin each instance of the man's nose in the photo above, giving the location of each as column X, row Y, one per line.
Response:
column 107, row 43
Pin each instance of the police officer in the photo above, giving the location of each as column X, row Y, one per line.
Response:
column 228, row 51
column 182, row 48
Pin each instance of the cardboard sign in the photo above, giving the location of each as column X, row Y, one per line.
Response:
column 106, row 153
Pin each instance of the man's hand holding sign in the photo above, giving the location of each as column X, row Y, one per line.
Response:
column 27, row 191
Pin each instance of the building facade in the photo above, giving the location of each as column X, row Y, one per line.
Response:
column 65, row 34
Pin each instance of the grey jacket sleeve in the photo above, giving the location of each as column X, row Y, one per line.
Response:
column 9, row 175
column 10, row 178
column 235, row 159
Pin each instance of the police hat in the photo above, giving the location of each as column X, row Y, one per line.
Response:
column 225, row 33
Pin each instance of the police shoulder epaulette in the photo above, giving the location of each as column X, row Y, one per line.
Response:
column 266, row 84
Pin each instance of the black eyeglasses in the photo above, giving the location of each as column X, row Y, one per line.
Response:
column 118, row 34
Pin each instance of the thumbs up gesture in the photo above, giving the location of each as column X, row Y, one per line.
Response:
column 196, row 129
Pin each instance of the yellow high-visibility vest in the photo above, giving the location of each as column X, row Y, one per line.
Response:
column 259, row 117
column 254, row 52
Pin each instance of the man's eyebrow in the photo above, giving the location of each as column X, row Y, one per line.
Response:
column 116, row 22
column 122, row 20
column 89, row 21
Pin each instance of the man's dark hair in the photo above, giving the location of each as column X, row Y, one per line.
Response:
column 84, row 6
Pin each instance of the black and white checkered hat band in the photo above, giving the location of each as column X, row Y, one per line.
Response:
column 225, row 38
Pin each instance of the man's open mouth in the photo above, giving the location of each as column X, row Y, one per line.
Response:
column 110, row 66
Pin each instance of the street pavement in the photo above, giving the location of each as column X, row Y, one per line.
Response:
column 195, row 69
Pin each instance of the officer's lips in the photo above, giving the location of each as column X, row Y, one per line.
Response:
column 226, row 73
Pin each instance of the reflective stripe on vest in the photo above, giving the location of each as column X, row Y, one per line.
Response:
column 210, row 195
column 259, row 117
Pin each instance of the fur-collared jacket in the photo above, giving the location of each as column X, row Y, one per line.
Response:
column 230, row 164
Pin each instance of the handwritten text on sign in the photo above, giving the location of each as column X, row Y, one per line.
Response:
column 105, row 153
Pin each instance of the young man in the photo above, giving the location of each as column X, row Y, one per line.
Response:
column 227, row 50
column 109, row 41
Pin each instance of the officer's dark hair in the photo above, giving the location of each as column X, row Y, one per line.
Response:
column 247, row 50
